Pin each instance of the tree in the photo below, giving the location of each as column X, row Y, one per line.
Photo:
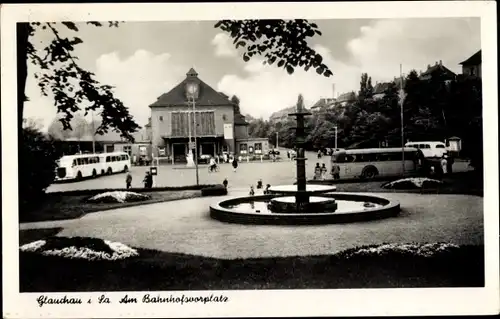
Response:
column 68, row 83
column 236, row 102
column 56, row 130
column 281, row 41
column 37, row 156
column 365, row 87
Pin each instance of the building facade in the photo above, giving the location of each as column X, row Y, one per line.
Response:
column 172, row 122
column 472, row 66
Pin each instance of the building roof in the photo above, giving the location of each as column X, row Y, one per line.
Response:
column 321, row 103
column 438, row 67
column 284, row 113
column 475, row 59
column 349, row 96
column 239, row 119
column 381, row 88
column 177, row 96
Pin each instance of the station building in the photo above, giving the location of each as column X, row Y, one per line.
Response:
column 219, row 126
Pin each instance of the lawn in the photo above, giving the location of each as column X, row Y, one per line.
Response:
column 154, row 270
column 59, row 206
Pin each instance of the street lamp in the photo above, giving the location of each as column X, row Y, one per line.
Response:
column 402, row 96
column 192, row 93
column 335, row 137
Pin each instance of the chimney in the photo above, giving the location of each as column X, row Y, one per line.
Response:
column 440, row 62
column 436, row 63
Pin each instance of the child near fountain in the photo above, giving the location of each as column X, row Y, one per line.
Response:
column 324, row 171
column 317, row 172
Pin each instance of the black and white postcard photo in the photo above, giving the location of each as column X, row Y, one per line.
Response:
column 249, row 159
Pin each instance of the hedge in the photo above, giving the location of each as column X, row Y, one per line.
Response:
column 215, row 190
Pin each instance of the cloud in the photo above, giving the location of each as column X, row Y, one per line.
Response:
column 266, row 89
column 224, row 46
column 379, row 50
column 414, row 43
column 138, row 80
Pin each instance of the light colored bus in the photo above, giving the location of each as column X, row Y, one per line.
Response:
column 79, row 166
column 115, row 162
column 371, row 162
column 430, row 149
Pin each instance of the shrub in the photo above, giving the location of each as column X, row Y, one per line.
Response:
column 37, row 156
column 216, row 190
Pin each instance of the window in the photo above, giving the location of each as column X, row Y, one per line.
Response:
column 108, row 159
column 440, row 146
column 161, row 118
column 258, row 148
column 74, row 162
column 243, row 148
column 127, row 149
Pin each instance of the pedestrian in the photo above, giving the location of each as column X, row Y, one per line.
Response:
column 288, row 154
column 335, row 171
column 146, row 180
column 235, row 164
column 128, row 180
column 252, row 192
column 213, row 165
column 319, row 154
column 444, row 164
column 225, row 157
column 259, row 184
column 225, row 182
column 266, row 191
column 317, row 172
column 324, row 170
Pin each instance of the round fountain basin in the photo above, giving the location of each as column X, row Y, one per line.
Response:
column 310, row 189
column 315, row 204
column 346, row 208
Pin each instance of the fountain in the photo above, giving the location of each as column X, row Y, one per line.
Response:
column 303, row 203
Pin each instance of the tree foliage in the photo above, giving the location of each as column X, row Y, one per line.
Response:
column 283, row 42
column 433, row 110
column 37, row 162
column 70, row 85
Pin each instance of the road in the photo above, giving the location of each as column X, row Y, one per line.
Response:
column 274, row 173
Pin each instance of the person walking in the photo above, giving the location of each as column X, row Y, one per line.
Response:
column 444, row 164
column 213, row 165
column 324, row 171
column 319, row 154
column 288, row 154
column 336, row 171
column 148, row 180
column 317, row 172
column 128, row 180
column 225, row 182
column 235, row 164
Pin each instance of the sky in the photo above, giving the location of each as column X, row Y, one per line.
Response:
column 143, row 60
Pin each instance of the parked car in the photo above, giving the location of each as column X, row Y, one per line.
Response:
column 429, row 149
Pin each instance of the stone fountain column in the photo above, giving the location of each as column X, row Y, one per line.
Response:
column 302, row 197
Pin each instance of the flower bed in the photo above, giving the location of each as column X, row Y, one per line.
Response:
column 413, row 183
column 118, row 197
column 80, row 248
column 414, row 250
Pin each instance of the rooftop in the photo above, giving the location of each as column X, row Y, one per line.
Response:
column 475, row 59
column 207, row 95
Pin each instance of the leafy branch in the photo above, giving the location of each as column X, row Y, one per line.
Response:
column 71, row 85
column 281, row 41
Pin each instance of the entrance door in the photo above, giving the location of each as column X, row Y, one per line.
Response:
column 208, row 149
column 179, row 153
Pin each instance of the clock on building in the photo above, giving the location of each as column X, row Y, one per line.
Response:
column 192, row 90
